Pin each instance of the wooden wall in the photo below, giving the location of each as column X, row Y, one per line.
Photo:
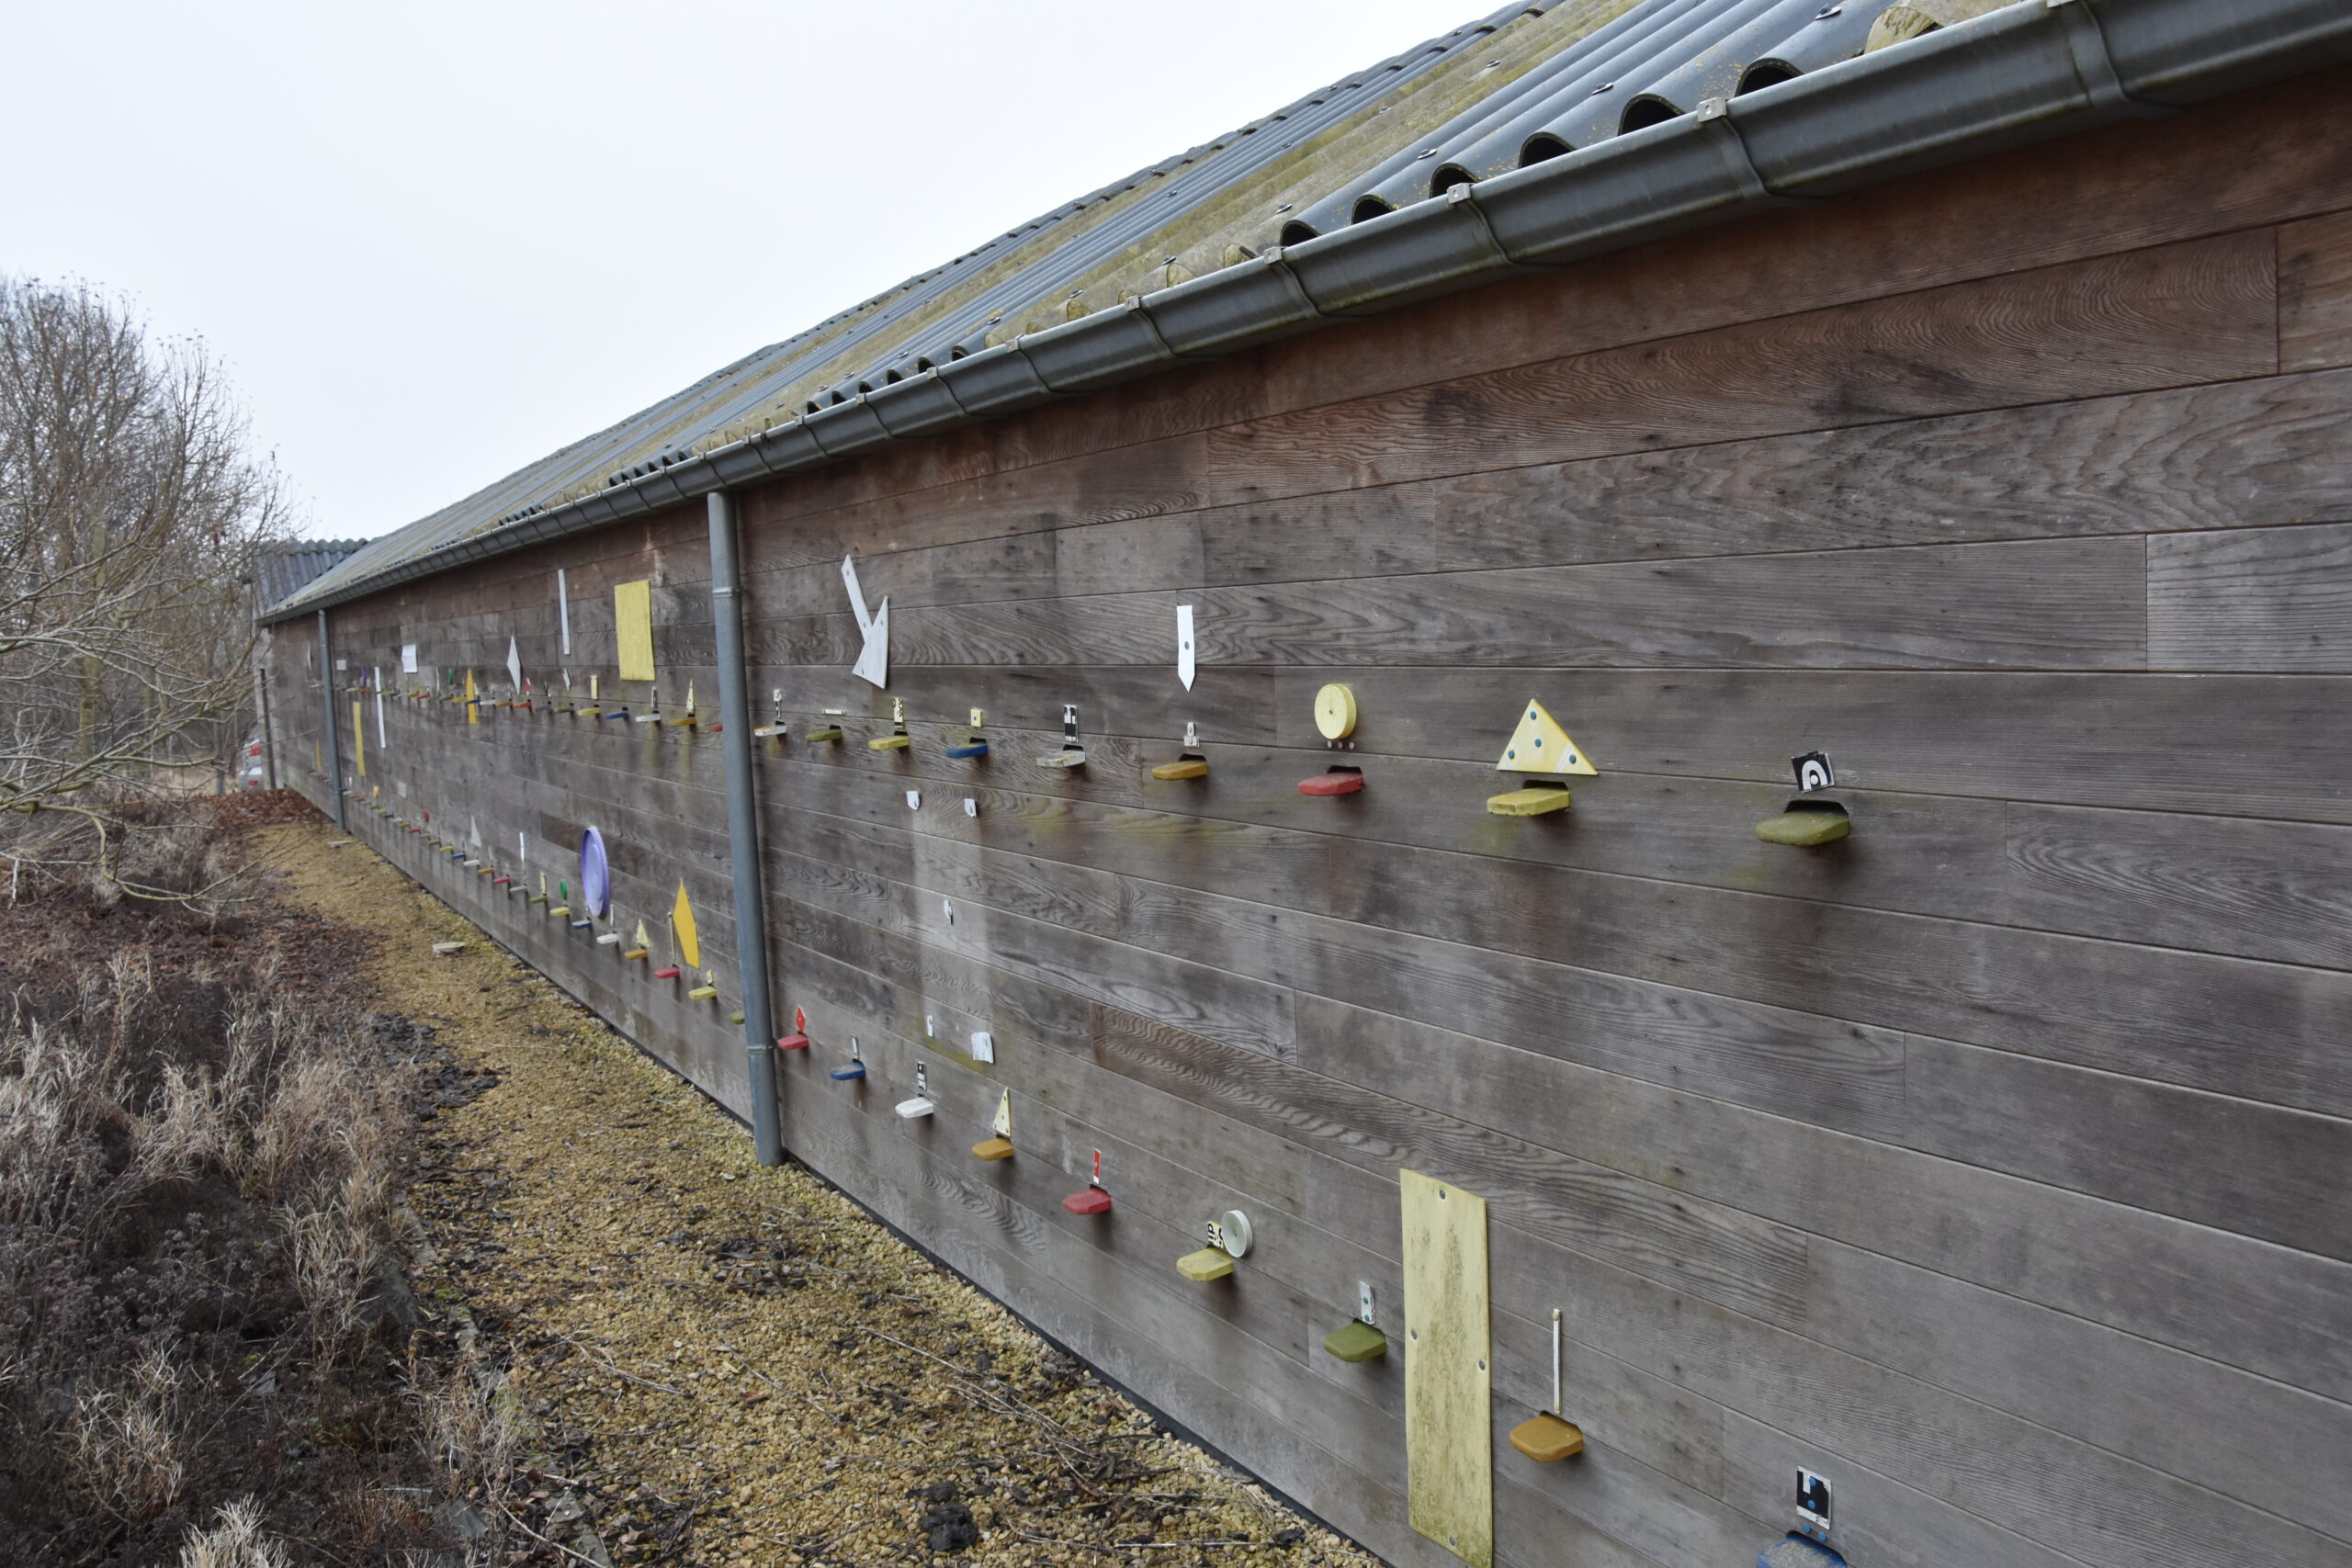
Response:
column 1997, row 1163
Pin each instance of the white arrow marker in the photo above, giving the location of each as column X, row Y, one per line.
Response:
column 872, row 664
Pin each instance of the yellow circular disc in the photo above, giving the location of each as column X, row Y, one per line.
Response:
column 1335, row 711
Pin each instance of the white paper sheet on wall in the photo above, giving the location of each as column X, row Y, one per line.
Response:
column 407, row 659
column 1184, row 645
column 872, row 664
column 513, row 664
column 563, row 611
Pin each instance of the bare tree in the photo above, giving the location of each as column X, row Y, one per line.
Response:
column 132, row 506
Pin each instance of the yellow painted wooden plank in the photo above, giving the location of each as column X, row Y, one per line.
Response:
column 633, row 629
column 1448, row 1435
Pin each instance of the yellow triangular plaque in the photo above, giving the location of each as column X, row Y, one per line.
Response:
column 641, row 939
column 1540, row 746
column 1003, row 1122
column 473, row 710
column 682, row 927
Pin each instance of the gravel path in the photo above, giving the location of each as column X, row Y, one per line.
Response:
column 719, row 1364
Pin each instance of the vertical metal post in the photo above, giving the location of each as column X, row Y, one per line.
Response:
column 1555, row 1360
column 743, row 829
column 333, row 748
column 260, row 656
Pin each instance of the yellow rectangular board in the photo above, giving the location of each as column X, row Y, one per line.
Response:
column 633, row 629
column 358, row 739
column 1449, row 1404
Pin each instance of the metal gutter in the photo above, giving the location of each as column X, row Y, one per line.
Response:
column 743, row 830
column 2021, row 74
column 333, row 746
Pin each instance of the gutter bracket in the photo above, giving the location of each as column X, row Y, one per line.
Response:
column 1465, row 197
column 1714, row 118
column 1279, row 265
column 2093, row 67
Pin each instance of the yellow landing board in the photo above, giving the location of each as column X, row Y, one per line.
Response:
column 633, row 629
column 1449, row 1432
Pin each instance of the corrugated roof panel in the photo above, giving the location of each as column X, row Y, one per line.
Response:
column 1473, row 103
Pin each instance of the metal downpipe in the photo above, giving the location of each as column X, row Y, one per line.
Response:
column 743, row 829
column 333, row 746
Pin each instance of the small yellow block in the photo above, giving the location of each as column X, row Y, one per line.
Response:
column 1804, row 828
column 1357, row 1342
column 890, row 743
column 830, row 732
column 633, row 953
column 993, row 1148
column 560, row 909
column 703, row 993
column 1547, row 1438
column 1533, row 802
column 1209, row 1263
column 1190, row 768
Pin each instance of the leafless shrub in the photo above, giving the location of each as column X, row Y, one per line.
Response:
column 337, row 1248
column 128, row 1441
column 474, row 1425
column 235, row 1540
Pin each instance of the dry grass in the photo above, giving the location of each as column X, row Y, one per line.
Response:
column 235, row 1540
column 198, row 1170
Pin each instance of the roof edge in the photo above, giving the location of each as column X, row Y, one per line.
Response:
column 2021, row 74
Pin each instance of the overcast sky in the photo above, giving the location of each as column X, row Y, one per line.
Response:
column 433, row 242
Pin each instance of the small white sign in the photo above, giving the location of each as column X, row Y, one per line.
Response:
column 407, row 659
column 563, row 612
column 513, row 664
column 1184, row 645
column 983, row 1047
column 971, row 806
column 914, row 800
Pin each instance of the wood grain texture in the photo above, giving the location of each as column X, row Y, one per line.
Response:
column 2315, row 292
column 2265, row 599
column 2199, row 312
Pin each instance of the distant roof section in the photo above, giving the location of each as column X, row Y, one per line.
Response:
column 1523, row 85
column 282, row 570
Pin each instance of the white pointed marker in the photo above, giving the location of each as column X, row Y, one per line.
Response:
column 513, row 664
column 872, row 664
column 1184, row 649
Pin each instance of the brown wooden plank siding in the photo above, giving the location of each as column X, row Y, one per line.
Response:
column 1996, row 1162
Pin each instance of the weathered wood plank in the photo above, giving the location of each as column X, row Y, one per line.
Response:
column 2315, row 292
column 1878, row 1520
column 2270, row 600
column 2106, row 740
column 2104, row 1509
column 2204, row 310
column 2040, row 604
column 2229, row 454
